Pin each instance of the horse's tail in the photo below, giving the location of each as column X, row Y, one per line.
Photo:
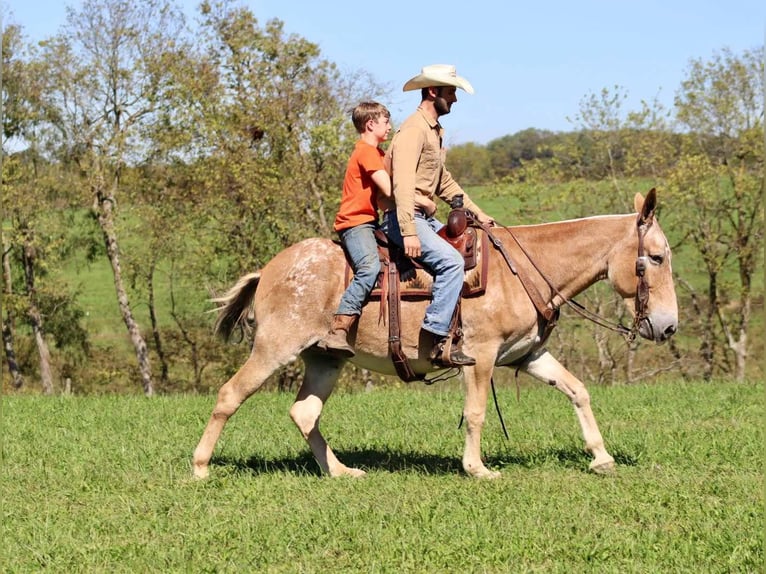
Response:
column 235, row 306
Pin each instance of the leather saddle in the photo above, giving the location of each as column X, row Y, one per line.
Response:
column 402, row 277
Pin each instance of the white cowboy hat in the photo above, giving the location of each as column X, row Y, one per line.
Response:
column 437, row 75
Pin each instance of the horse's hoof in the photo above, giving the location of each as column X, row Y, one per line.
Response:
column 603, row 468
column 201, row 472
column 356, row 472
column 483, row 473
column 347, row 471
column 490, row 475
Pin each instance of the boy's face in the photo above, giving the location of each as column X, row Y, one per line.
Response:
column 380, row 127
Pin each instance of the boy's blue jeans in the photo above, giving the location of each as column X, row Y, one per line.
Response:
column 362, row 248
column 442, row 260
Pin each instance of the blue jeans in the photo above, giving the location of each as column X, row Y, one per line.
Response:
column 441, row 260
column 362, row 249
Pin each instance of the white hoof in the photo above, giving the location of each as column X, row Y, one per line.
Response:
column 201, row 472
column 347, row 471
column 482, row 472
column 603, row 467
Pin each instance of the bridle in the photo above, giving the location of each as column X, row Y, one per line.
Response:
column 547, row 310
column 642, row 287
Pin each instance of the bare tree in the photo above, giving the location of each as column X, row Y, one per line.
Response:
column 106, row 78
column 721, row 106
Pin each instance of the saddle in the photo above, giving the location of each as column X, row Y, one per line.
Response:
column 403, row 278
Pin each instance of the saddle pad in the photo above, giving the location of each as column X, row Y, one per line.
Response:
column 419, row 284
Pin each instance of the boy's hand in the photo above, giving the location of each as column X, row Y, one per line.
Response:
column 427, row 205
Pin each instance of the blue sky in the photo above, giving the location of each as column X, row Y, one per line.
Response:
column 531, row 63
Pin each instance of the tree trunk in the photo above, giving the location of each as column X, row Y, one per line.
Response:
column 707, row 346
column 164, row 369
column 33, row 312
column 103, row 204
column 196, row 360
column 8, row 325
column 17, row 380
column 46, row 375
column 738, row 345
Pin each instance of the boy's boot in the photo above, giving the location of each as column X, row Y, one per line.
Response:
column 336, row 340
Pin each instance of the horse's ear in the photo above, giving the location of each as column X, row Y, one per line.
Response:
column 646, row 207
column 638, row 202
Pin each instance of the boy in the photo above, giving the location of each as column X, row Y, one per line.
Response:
column 357, row 218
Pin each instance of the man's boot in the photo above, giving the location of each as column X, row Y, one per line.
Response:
column 445, row 353
column 336, row 341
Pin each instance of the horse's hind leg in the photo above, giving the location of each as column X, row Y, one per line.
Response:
column 262, row 362
column 321, row 373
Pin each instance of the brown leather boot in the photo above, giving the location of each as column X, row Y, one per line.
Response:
column 446, row 353
column 336, row 340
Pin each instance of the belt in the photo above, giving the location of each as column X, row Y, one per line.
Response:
column 417, row 210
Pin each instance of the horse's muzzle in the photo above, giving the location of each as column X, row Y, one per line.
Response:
column 658, row 328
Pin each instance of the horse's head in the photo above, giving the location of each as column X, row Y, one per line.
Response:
column 641, row 273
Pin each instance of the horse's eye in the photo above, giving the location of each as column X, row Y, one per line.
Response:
column 657, row 259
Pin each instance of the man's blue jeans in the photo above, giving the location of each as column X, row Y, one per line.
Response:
column 362, row 248
column 442, row 260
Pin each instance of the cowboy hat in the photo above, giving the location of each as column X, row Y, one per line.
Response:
column 437, row 75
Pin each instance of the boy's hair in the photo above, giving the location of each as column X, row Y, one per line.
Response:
column 367, row 111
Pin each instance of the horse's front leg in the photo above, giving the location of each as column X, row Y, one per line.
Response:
column 477, row 381
column 547, row 369
column 321, row 373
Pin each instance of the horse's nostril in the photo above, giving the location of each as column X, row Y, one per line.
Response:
column 671, row 329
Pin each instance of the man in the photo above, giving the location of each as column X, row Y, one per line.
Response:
column 417, row 157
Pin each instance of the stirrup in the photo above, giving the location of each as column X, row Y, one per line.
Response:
column 445, row 354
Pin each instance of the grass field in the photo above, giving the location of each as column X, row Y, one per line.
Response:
column 102, row 484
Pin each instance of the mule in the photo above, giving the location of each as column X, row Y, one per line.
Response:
column 293, row 297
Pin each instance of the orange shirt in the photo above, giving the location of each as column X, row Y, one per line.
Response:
column 358, row 202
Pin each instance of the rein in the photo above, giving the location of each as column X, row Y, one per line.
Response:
column 547, row 309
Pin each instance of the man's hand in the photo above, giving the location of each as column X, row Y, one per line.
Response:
column 485, row 219
column 412, row 246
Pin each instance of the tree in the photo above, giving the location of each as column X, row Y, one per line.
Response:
column 12, row 79
column 470, row 164
column 23, row 204
column 601, row 123
column 268, row 133
column 107, row 76
column 720, row 105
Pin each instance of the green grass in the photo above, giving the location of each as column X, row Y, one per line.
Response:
column 102, row 484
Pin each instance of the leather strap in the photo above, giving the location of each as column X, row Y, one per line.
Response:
column 401, row 363
column 546, row 311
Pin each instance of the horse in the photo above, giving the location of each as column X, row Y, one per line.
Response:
column 289, row 305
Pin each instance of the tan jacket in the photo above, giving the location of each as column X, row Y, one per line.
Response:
column 417, row 158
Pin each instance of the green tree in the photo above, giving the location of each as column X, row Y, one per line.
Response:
column 32, row 246
column 12, row 79
column 107, row 75
column 720, row 106
column 601, row 122
column 470, row 164
column 270, row 133
column 246, row 156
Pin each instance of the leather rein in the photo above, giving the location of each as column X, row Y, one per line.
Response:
column 549, row 312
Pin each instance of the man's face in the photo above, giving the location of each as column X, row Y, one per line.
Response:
column 445, row 97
